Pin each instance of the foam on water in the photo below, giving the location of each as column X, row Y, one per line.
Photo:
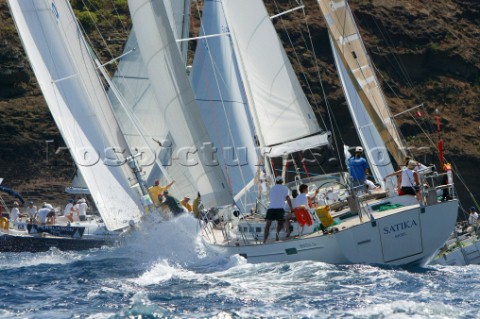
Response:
column 169, row 272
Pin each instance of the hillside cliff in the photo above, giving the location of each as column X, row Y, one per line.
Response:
column 424, row 51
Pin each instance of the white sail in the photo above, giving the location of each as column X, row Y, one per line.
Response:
column 76, row 98
column 375, row 150
column 351, row 50
column 280, row 109
column 143, row 125
column 176, row 100
column 220, row 95
column 178, row 12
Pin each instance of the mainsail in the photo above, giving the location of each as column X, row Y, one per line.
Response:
column 375, row 150
column 77, row 100
column 220, row 95
column 351, row 51
column 177, row 102
column 281, row 113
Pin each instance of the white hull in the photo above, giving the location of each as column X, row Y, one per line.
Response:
column 404, row 236
column 467, row 252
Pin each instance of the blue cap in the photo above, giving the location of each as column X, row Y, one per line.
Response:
column 31, row 203
column 70, row 200
column 472, row 208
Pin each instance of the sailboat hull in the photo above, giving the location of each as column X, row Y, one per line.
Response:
column 409, row 237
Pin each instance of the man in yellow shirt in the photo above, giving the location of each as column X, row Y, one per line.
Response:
column 185, row 203
column 156, row 192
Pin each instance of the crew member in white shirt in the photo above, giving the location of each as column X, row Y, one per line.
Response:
column 278, row 194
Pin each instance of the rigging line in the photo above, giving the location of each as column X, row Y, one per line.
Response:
column 96, row 27
column 230, row 133
column 460, row 178
column 388, row 40
column 297, row 58
column 333, row 123
column 124, row 28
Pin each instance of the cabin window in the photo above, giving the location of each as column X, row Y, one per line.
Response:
column 354, row 55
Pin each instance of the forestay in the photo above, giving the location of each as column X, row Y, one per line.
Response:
column 177, row 103
column 76, row 98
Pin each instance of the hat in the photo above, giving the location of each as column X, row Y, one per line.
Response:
column 156, row 182
column 186, row 197
column 81, row 200
column 358, row 149
column 71, row 200
column 15, row 203
column 411, row 164
column 472, row 208
column 279, row 179
column 31, row 203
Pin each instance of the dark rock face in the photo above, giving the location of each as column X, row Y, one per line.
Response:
column 425, row 52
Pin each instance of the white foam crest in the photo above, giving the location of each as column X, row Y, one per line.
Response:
column 175, row 246
column 407, row 310
column 53, row 256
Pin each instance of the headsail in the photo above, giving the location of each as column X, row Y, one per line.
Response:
column 177, row 103
column 143, row 125
column 280, row 109
column 79, row 105
column 351, row 51
column 220, row 95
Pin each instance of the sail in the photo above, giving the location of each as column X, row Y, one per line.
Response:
column 79, row 186
column 280, row 110
column 178, row 12
column 220, row 96
column 375, row 150
column 77, row 100
column 351, row 50
column 176, row 100
column 143, row 125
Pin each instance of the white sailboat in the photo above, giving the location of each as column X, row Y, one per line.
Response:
column 408, row 234
column 72, row 87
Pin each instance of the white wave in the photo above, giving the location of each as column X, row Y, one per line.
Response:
column 51, row 257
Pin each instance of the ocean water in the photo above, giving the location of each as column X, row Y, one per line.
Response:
column 168, row 273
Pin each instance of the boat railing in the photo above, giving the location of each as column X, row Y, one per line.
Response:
column 436, row 187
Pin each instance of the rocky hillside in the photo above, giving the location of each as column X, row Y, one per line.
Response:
column 425, row 52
